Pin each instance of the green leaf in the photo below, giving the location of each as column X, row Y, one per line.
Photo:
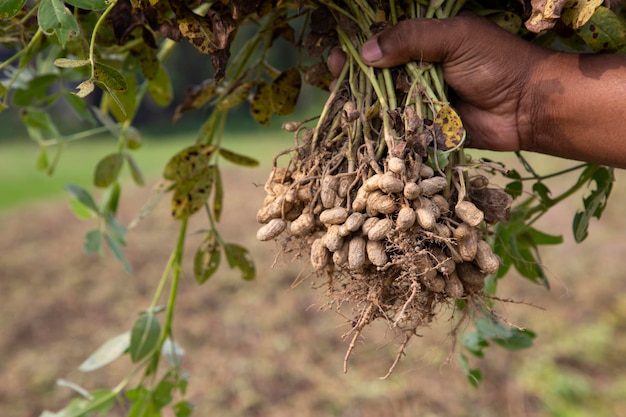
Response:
column 36, row 90
column 82, row 195
column 81, row 211
column 110, row 199
column 475, row 343
column 42, row 160
column 160, row 88
column 541, row 238
column 9, row 8
column 595, row 202
column 117, row 251
column 239, row 257
column 489, row 328
column 110, row 77
column 39, row 124
column 93, row 242
column 89, row 4
column 207, row 260
column 132, row 138
column 517, row 340
column 107, row 353
column 55, row 18
column 144, row 336
column 108, row 170
column 183, row 409
column 115, row 228
column 544, row 194
column 474, row 376
column 163, row 393
column 238, row 159
column 135, row 171
column 142, row 405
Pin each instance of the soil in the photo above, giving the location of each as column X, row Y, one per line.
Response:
column 263, row 348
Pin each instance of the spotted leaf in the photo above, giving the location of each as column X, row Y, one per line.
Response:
column 188, row 163
column 261, row 103
column 191, row 194
column 451, row 127
column 285, row 91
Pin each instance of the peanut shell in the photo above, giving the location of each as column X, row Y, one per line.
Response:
column 380, row 230
column 356, row 253
column 319, row 255
column 271, row 230
column 376, row 253
column 469, row 213
column 336, row 215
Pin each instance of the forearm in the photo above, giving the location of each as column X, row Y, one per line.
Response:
column 579, row 108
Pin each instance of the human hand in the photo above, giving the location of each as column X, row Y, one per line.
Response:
column 488, row 68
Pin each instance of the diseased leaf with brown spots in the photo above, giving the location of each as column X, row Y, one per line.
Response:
column 196, row 97
column 604, row 31
column 261, row 103
column 285, row 91
column 235, row 97
column 110, row 77
column 197, row 29
column 318, row 75
column 191, row 194
column 188, row 163
column 449, row 123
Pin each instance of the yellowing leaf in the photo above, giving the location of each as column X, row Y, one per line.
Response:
column 197, row 29
column 261, row 103
column 235, row 97
column 160, row 88
column 451, row 127
column 191, row 194
column 604, row 31
column 108, row 169
column 188, row 163
column 196, row 97
column 577, row 12
column 508, row 21
column 238, row 159
column 285, row 91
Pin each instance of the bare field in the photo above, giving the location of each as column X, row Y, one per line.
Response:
column 264, row 348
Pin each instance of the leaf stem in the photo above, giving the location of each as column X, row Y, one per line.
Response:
column 92, row 43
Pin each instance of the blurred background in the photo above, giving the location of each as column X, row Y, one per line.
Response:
column 265, row 348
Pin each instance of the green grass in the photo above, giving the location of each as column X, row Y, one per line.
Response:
column 21, row 182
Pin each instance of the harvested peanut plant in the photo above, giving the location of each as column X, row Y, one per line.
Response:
column 378, row 193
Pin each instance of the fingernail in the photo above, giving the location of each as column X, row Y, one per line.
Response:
column 370, row 51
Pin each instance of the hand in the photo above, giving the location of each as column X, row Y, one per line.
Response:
column 488, row 69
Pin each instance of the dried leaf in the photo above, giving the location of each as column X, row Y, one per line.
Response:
column 196, row 97
column 544, row 14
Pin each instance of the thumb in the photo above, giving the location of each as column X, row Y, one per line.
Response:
column 430, row 40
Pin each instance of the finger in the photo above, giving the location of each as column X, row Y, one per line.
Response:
column 336, row 60
column 431, row 40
